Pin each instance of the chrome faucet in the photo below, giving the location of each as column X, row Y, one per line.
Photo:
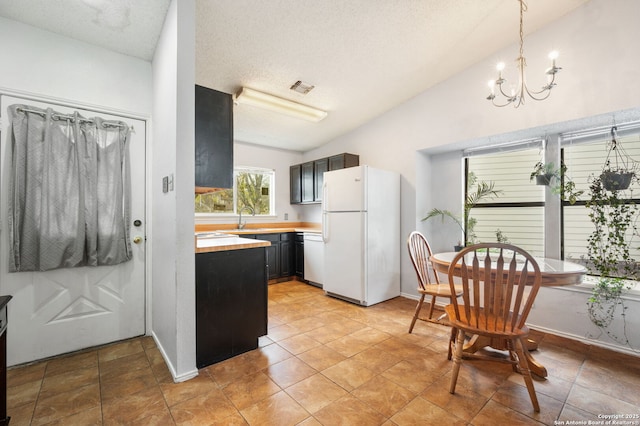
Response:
column 240, row 224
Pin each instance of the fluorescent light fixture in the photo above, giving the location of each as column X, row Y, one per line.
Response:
column 263, row 100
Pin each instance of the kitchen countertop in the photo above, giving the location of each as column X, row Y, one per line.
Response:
column 225, row 243
column 221, row 237
column 254, row 231
column 260, row 228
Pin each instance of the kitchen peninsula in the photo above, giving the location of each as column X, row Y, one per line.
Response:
column 233, row 268
column 231, row 296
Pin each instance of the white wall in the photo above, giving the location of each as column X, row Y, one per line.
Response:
column 44, row 63
column 600, row 63
column 172, row 224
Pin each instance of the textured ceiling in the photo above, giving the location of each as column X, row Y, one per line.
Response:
column 131, row 27
column 364, row 56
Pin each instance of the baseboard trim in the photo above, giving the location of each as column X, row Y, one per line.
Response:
column 176, row 378
column 581, row 339
column 585, row 340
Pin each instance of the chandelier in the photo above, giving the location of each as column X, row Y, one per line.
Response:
column 517, row 93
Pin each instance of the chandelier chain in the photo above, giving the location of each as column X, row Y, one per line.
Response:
column 523, row 8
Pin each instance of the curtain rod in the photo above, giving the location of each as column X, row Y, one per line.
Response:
column 71, row 118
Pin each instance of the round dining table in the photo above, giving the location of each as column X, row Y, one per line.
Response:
column 554, row 273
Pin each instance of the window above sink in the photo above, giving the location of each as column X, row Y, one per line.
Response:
column 253, row 191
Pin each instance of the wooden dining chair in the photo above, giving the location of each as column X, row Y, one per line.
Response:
column 498, row 291
column 420, row 252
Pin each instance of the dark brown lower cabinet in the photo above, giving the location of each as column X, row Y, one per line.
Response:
column 280, row 255
column 231, row 303
column 298, row 255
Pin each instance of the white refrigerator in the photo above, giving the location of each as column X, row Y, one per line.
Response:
column 361, row 234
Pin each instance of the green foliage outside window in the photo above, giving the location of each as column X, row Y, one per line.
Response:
column 252, row 194
column 215, row 202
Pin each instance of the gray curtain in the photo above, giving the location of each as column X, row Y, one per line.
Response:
column 69, row 191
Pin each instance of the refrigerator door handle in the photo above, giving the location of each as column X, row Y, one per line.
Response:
column 325, row 225
column 325, row 205
column 325, row 200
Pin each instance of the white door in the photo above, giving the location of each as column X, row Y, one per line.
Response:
column 63, row 310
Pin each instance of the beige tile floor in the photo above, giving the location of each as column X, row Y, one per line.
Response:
column 324, row 362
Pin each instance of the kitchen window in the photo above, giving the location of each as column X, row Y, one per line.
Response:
column 252, row 193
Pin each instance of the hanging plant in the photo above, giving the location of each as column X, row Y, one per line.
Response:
column 545, row 173
column 614, row 181
column 619, row 168
column 614, row 219
column 609, row 255
column 606, row 298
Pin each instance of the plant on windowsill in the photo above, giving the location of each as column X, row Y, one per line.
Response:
column 483, row 190
column 609, row 255
column 545, row 173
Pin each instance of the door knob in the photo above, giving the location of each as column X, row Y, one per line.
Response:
column 137, row 240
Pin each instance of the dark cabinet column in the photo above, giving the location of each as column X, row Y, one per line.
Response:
column 231, row 303
column 213, row 139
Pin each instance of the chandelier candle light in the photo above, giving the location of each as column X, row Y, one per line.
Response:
column 516, row 96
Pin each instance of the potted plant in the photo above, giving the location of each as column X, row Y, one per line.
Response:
column 482, row 190
column 543, row 173
column 615, row 180
column 619, row 168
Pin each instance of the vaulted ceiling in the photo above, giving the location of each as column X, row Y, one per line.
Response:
column 364, row 57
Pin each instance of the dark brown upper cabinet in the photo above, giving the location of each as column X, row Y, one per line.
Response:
column 295, row 184
column 305, row 180
column 343, row 161
column 319, row 167
column 214, row 140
